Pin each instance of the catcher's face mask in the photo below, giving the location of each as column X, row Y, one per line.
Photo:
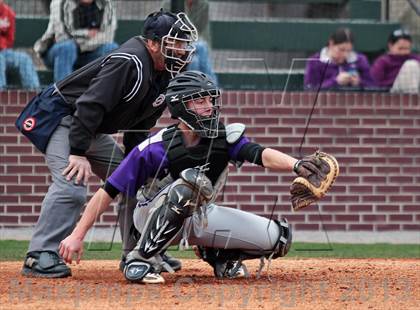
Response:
column 176, row 46
column 202, row 112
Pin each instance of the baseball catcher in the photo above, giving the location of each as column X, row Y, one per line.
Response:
column 180, row 171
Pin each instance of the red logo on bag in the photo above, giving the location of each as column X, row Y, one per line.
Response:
column 29, row 124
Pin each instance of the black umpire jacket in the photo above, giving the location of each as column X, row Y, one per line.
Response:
column 118, row 91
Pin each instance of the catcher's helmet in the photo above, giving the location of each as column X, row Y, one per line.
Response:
column 176, row 34
column 193, row 85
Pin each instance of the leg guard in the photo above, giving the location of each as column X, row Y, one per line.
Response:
column 164, row 222
column 182, row 199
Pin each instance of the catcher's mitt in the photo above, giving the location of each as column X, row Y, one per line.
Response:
column 316, row 173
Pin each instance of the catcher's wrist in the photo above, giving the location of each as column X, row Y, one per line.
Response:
column 79, row 233
column 296, row 166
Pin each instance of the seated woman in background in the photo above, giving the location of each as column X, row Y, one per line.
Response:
column 337, row 66
column 399, row 69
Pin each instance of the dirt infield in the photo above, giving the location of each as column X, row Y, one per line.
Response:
column 299, row 283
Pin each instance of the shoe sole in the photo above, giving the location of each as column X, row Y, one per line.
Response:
column 28, row 272
column 153, row 280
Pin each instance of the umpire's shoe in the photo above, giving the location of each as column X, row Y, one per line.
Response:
column 45, row 264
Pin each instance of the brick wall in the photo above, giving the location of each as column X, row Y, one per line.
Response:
column 375, row 137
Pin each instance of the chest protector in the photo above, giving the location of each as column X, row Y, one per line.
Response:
column 213, row 152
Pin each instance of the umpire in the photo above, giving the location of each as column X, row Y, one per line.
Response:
column 70, row 122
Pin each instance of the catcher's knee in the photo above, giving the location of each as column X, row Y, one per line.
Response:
column 281, row 245
column 199, row 182
column 188, row 192
column 180, row 199
column 284, row 241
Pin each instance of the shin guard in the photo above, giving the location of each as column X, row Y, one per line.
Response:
column 185, row 195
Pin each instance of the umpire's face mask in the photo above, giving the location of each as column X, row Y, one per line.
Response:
column 177, row 46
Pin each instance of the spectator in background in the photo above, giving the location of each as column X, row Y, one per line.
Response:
column 399, row 69
column 198, row 12
column 78, row 32
column 337, row 66
column 10, row 58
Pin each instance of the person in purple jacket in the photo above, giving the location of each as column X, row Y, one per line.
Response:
column 399, row 69
column 337, row 66
column 180, row 171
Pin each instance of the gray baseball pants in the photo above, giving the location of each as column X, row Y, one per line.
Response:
column 64, row 200
column 227, row 228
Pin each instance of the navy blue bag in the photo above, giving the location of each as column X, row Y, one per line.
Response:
column 41, row 116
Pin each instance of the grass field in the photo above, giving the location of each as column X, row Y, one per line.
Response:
column 11, row 250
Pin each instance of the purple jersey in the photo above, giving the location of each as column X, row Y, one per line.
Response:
column 386, row 68
column 322, row 71
column 149, row 160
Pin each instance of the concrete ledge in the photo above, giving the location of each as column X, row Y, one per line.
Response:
column 95, row 234
column 395, row 237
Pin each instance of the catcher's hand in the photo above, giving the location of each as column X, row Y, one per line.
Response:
column 316, row 173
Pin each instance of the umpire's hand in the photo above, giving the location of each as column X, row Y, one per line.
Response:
column 69, row 246
column 79, row 166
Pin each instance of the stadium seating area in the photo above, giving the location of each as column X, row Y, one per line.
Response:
column 236, row 38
